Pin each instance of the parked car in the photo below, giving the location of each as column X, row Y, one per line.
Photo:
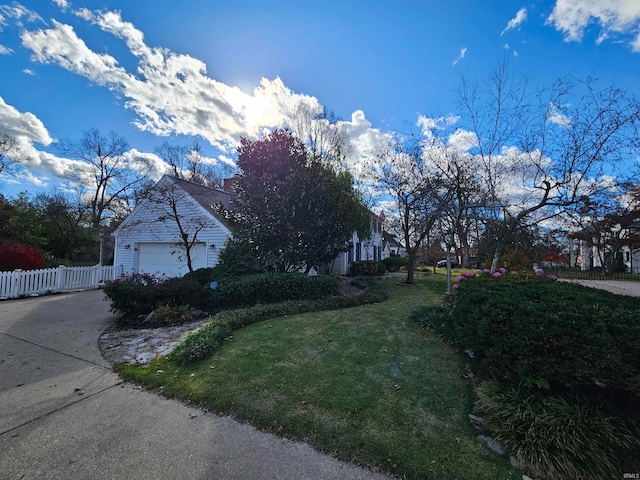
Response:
column 443, row 263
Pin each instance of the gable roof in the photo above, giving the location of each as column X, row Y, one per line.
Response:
column 207, row 197
column 390, row 239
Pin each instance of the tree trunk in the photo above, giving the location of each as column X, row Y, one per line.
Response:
column 411, row 266
column 496, row 258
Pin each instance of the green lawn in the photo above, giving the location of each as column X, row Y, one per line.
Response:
column 364, row 384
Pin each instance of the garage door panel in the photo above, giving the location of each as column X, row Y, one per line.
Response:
column 169, row 259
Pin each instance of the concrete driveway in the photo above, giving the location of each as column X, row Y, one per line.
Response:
column 65, row 414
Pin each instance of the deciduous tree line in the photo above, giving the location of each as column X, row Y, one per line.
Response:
column 520, row 160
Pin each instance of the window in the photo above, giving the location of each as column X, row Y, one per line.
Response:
column 358, row 252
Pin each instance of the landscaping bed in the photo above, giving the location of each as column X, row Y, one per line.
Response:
column 364, row 384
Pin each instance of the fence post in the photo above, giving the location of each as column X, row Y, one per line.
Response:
column 95, row 276
column 14, row 292
column 61, row 277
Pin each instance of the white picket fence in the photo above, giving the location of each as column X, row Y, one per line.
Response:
column 62, row 279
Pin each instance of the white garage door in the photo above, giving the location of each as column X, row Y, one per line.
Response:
column 169, row 259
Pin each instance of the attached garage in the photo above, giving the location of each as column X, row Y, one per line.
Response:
column 169, row 258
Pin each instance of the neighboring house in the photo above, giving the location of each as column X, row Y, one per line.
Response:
column 149, row 239
column 391, row 246
column 360, row 249
column 590, row 253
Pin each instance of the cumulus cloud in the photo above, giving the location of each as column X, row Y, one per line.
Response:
column 460, row 56
column 573, row 17
column 516, row 21
column 171, row 93
column 5, row 50
column 22, row 125
column 28, row 71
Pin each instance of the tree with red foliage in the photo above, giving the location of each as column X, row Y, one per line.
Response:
column 17, row 255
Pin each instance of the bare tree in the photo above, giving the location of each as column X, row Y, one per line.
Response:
column 9, row 152
column 418, row 195
column 109, row 176
column 322, row 132
column 542, row 150
column 189, row 163
column 112, row 177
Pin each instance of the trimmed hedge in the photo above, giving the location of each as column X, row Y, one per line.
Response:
column 141, row 293
column 522, row 330
column 203, row 341
column 395, row 263
column 368, row 267
column 273, row 287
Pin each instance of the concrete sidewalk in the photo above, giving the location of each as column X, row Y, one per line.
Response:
column 65, row 414
column 615, row 286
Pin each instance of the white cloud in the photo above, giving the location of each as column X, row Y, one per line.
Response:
column 572, row 17
column 28, row 71
column 516, row 21
column 5, row 50
column 170, row 92
column 26, row 125
column 556, row 116
column 18, row 12
column 63, row 4
column 462, row 140
column 460, row 56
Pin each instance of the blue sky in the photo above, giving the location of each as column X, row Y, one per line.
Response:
column 156, row 70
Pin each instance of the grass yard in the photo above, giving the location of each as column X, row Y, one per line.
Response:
column 364, row 384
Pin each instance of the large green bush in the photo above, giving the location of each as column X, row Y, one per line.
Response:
column 368, row 267
column 523, row 330
column 235, row 259
column 249, row 290
column 140, row 294
column 394, row 263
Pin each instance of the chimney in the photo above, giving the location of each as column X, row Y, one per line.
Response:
column 229, row 183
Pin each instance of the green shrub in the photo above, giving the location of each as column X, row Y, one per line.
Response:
column 394, row 263
column 569, row 334
column 204, row 276
column 131, row 294
column 561, row 438
column 273, row 287
column 202, row 342
column 430, row 316
column 368, row 267
column 141, row 293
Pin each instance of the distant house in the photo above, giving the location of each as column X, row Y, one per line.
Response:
column 391, row 246
column 150, row 238
column 598, row 248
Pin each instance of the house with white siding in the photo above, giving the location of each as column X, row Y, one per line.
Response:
column 176, row 223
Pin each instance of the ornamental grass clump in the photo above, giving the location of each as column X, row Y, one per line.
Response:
column 560, row 438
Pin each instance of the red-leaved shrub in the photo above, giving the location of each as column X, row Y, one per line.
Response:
column 17, row 255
